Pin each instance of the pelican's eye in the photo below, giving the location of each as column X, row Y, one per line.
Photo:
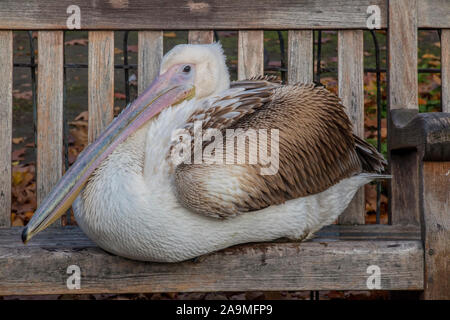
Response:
column 187, row 69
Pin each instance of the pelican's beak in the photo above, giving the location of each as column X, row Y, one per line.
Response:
column 170, row 88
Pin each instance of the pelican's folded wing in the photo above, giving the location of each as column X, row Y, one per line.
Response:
column 304, row 130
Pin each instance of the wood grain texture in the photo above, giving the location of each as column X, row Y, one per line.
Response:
column 320, row 265
column 413, row 138
column 434, row 14
column 428, row 133
column 436, row 200
column 71, row 236
column 6, row 80
column 250, row 54
column 300, row 56
column 336, row 232
column 150, row 53
column 215, row 14
column 101, row 81
column 191, row 15
column 200, row 37
column 445, row 69
column 403, row 85
column 49, row 166
column 405, row 194
column 403, row 94
column 351, row 92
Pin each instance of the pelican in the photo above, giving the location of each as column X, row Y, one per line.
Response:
column 133, row 198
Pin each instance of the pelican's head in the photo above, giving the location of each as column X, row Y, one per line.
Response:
column 211, row 72
column 186, row 71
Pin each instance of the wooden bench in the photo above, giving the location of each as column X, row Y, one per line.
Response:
column 412, row 252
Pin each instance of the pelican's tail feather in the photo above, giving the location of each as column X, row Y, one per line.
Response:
column 375, row 176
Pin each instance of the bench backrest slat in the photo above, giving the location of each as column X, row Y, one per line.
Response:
column 200, row 36
column 300, row 56
column 351, row 91
column 445, row 65
column 150, row 53
column 403, row 86
column 250, row 54
column 214, row 14
column 49, row 162
column 6, row 78
column 190, row 15
column 403, row 94
column 101, row 81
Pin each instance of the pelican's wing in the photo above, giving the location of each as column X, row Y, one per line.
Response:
column 243, row 98
column 316, row 149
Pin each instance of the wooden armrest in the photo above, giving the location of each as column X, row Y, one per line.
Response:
column 428, row 132
column 420, row 165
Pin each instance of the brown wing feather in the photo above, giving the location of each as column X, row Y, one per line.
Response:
column 317, row 149
column 227, row 109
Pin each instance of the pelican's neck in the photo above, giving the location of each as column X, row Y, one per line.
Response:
column 142, row 158
column 159, row 138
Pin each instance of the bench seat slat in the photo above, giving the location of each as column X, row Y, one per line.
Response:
column 315, row 265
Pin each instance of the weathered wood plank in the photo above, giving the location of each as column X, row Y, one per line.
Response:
column 73, row 236
column 338, row 232
column 403, row 94
column 428, row 133
column 49, row 165
column 201, row 37
column 403, row 85
column 250, row 54
column 300, row 56
column 150, row 53
column 436, row 200
column 445, row 69
column 101, row 81
column 404, row 189
column 265, row 266
column 434, row 14
column 191, row 15
column 351, row 91
column 6, row 80
column 215, row 14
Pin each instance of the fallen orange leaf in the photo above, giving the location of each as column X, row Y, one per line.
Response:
column 18, row 140
column 17, row 222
